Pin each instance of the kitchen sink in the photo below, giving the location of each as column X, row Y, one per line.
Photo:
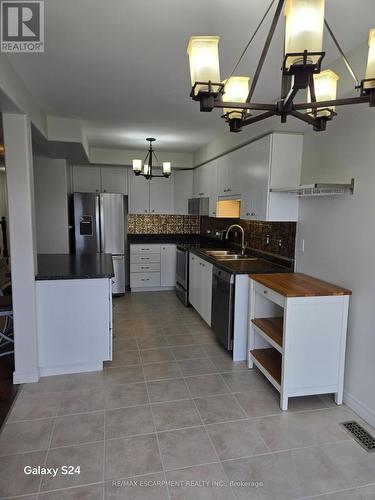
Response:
column 217, row 253
column 236, row 257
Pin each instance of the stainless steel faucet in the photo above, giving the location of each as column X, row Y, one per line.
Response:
column 243, row 244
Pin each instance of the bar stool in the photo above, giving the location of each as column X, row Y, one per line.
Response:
column 6, row 333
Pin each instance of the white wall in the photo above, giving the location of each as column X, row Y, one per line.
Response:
column 340, row 238
column 51, row 205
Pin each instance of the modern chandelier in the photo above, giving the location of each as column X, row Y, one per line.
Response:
column 145, row 168
column 301, row 70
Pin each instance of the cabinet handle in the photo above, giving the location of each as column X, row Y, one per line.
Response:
column 265, row 292
column 145, row 279
column 200, row 194
column 148, row 267
column 145, row 258
column 145, row 249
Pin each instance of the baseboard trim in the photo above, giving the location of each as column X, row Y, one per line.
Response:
column 362, row 410
column 25, row 378
column 67, row 369
column 154, row 289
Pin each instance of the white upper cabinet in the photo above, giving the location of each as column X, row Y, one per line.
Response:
column 183, row 190
column 139, row 194
column 229, row 173
column 114, row 180
column 205, row 184
column 153, row 196
column 274, row 161
column 100, row 179
column 161, row 195
column 86, row 179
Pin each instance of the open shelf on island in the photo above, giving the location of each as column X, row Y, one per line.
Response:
column 271, row 330
column 269, row 363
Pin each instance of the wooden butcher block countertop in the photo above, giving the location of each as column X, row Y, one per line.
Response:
column 298, row 285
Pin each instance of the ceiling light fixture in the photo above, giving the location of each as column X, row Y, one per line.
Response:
column 145, row 168
column 301, row 70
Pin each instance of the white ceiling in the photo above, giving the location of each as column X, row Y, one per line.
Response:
column 121, row 65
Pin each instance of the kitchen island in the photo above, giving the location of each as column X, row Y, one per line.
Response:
column 74, row 312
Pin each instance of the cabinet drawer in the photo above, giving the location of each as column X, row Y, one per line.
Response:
column 144, row 249
column 144, row 258
column 269, row 294
column 144, row 280
column 145, row 267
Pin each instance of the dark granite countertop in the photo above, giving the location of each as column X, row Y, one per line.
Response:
column 259, row 266
column 67, row 267
column 164, row 238
column 266, row 263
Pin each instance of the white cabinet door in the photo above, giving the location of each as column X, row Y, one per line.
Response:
column 168, row 265
column 161, row 195
column 205, row 184
column 255, row 176
column 139, row 195
column 86, row 179
column 183, row 191
column 114, row 180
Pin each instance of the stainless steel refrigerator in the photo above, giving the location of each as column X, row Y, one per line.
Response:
column 100, row 226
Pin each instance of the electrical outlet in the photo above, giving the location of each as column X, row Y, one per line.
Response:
column 302, row 245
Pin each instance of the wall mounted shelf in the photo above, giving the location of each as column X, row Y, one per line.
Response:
column 318, row 189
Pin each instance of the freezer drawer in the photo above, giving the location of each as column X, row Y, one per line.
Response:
column 118, row 282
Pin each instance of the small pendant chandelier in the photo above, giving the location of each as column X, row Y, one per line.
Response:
column 145, row 168
column 301, row 70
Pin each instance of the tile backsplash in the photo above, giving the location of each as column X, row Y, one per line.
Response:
column 275, row 237
column 163, row 224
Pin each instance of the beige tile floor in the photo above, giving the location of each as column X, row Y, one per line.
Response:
column 173, row 418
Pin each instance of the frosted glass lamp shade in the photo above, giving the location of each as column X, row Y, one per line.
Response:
column 370, row 71
column 304, row 27
column 146, row 169
column 325, row 90
column 137, row 165
column 203, row 54
column 166, row 167
column 236, row 90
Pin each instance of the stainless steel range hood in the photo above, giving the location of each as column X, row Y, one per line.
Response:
column 199, row 206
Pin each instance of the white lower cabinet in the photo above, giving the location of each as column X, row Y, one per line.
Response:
column 152, row 266
column 200, row 286
column 168, row 265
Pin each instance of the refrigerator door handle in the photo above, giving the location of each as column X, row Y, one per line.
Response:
column 97, row 222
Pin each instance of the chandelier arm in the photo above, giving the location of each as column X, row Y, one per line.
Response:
column 305, row 118
column 265, row 48
column 257, row 118
column 335, row 41
column 157, row 160
column 313, row 94
column 334, row 102
column 244, row 105
column 290, row 97
column 249, row 42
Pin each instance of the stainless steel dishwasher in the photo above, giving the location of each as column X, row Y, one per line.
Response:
column 223, row 307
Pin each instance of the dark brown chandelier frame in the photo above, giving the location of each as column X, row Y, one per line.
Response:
column 295, row 77
column 149, row 161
